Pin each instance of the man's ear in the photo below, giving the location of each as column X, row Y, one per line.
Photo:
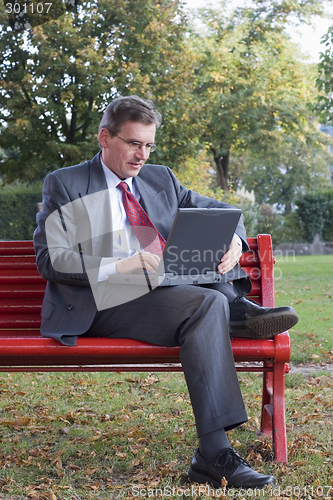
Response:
column 103, row 137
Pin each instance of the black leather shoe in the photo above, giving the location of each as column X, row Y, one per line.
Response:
column 249, row 320
column 229, row 465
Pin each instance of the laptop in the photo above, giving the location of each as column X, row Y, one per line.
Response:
column 199, row 237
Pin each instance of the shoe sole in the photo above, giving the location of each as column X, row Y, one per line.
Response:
column 264, row 327
column 196, row 477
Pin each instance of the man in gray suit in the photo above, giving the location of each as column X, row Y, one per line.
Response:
column 84, row 241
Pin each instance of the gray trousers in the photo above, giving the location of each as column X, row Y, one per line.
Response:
column 196, row 319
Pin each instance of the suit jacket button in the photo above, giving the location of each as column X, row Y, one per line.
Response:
column 69, row 306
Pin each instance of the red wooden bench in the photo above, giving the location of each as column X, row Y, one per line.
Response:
column 22, row 349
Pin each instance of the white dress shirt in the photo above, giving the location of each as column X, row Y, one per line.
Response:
column 125, row 243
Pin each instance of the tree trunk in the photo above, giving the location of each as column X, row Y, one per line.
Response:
column 288, row 208
column 222, row 170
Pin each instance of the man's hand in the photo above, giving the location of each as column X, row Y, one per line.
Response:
column 138, row 262
column 231, row 257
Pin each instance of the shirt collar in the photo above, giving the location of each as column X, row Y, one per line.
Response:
column 112, row 179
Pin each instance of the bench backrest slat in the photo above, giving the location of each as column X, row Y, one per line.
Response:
column 24, row 291
column 22, row 288
column 17, row 262
column 16, row 248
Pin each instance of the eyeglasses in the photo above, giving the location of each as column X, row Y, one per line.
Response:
column 136, row 145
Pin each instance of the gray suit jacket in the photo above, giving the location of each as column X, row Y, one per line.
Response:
column 75, row 232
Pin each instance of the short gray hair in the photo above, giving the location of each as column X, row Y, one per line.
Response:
column 130, row 108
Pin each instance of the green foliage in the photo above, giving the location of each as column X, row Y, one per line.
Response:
column 250, row 211
column 233, row 82
column 57, row 79
column 314, row 210
column 18, row 211
column 284, row 228
column 256, row 92
column 290, row 230
column 324, row 105
column 278, row 174
column 198, row 175
column 268, row 220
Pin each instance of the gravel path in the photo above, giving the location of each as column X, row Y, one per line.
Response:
column 312, row 368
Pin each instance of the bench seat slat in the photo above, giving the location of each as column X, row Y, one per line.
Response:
column 91, row 351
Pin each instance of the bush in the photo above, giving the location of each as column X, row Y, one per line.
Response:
column 315, row 212
column 18, row 211
column 269, row 222
column 327, row 232
column 261, row 219
column 250, row 213
column 290, row 230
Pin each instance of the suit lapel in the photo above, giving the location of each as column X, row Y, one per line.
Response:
column 97, row 181
column 96, row 201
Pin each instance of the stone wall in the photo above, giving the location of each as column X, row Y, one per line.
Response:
column 316, row 248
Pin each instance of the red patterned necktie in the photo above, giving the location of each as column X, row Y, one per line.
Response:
column 149, row 237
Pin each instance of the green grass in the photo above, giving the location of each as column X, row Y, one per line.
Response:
column 108, row 436
column 306, row 283
column 123, row 436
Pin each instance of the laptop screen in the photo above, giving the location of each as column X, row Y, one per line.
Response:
column 198, row 239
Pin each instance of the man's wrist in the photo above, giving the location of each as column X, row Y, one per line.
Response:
column 238, row 240
column 116, row 265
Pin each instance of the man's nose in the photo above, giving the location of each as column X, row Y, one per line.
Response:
column 143, row 153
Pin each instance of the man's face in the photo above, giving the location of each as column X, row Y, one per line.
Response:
column 118, row 156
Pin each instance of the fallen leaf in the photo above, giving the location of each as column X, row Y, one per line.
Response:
column 90, row 472
column 92, row 486
column 124, row 418
column 224, row 482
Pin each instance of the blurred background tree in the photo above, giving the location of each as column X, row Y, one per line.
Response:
column 256, row 92
column 240, row 104
column 324, row 104
column 58, row 77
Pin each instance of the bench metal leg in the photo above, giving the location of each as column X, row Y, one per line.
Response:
column 279, row 414
column 267, row 403
column 273, row 420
